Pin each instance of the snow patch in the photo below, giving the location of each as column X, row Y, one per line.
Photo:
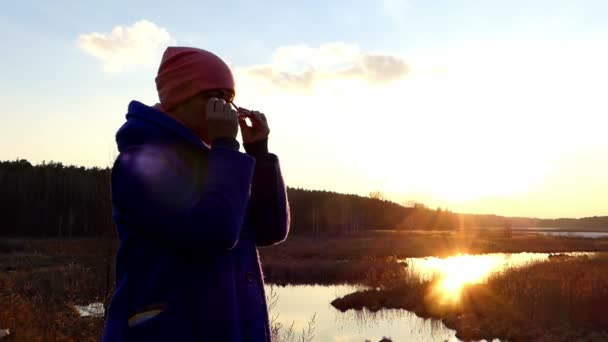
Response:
column 4, row 333
column 91, row 310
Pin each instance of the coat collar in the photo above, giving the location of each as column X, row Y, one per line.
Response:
column 151, row 114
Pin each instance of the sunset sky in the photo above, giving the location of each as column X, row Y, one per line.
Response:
column 478, row 106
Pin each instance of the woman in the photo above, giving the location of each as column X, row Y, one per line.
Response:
column 191, row 210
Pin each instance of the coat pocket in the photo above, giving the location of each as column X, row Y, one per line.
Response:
column 149, row 324
column 143, row 316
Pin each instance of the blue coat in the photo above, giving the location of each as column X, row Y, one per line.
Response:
column 189, row 219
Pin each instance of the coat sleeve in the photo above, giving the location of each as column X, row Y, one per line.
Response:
column 268, row 213
column 155, row 198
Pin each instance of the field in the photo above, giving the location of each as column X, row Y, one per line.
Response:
column 40, row 280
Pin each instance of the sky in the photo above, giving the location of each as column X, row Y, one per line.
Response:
column 474, row 106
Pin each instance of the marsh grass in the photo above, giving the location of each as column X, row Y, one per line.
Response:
column 37, row 304
column 411, row 244
column 371, row 258
column 562, row 299
column 40, row 281
column 329, row 272
column 286, row 332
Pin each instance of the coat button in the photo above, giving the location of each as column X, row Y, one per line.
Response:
column 250, row 277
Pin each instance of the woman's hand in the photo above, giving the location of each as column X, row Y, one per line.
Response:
column 221, row 119
column 259, row 126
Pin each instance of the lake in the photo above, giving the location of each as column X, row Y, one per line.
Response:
column 591, row 235
column 297, row 304
column 562, row 232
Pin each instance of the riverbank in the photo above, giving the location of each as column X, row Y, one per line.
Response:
column 371, row 258
column 41, row 280
column 563, row 299
column 412, row 244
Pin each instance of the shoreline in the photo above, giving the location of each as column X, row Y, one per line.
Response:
column 561, row 299
column 80, row 271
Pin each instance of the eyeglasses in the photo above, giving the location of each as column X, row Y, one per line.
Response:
column 226, row 95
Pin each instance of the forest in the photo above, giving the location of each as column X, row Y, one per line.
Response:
column 65, row 201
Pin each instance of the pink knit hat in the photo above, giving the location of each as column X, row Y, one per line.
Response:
column 185, row 72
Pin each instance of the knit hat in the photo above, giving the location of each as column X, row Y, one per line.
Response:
column 185, row 72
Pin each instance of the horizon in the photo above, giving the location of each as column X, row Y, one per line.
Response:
column 370, row 195
column 482, row 108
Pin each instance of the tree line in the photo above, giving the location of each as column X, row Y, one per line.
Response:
column 65, row 201
column 54, row 200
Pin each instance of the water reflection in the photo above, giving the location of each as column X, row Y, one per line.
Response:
column 452, row 273
column 399, row 325
column 590, row 235
column 297, row 304
column 561, row 232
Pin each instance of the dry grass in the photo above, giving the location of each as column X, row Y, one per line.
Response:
column 409, row 244
column 287, row 333
column 370, row 258
column 569, row 293
column 563, row 299
column 329, row 272
column 36, row 304
column 41, row 280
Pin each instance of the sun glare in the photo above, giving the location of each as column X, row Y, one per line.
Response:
column 453, row 273
column 460, row 270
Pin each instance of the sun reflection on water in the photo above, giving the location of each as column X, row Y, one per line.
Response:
column 453, row 273
column 457, row 271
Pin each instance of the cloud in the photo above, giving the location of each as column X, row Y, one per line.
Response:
column 128, row 47
column 379, row 68
column 302, row 80
column 300, row 67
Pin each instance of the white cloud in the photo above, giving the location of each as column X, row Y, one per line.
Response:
column 301, row 67
column 128, row 47
column 479, row 120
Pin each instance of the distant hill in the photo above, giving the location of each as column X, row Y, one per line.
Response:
column 56, row 200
